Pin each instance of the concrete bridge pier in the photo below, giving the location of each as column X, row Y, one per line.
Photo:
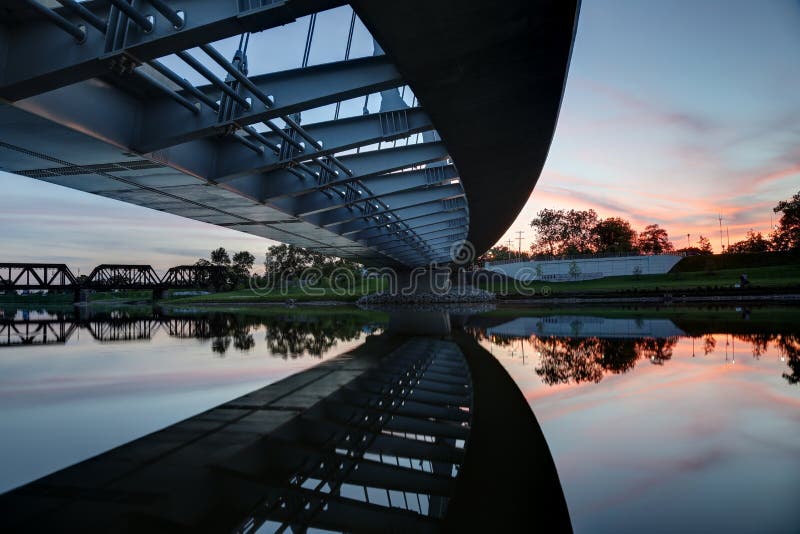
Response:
column 421, row 280
column 159, row 293
column 80, row 295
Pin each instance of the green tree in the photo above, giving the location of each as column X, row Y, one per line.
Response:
column 549, row 226
column 704, row 244
column 220, row 257
column 753, row 243
column 614, row 235
column 560, row 232
column 787, row 236
column 289, row 262
column 242, row 264
column 654, row 240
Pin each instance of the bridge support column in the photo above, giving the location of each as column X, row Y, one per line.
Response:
column 159, row 293
column 423, row 280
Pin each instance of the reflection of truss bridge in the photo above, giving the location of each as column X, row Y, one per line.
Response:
column 23, row 331
column 35, row 332
column 122, row 330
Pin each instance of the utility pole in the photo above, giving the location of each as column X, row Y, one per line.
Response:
column 519, row 237
column 688, row 241
column 728, row 231
column 721, row 244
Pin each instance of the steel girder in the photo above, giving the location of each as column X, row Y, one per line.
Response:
column 336, row 136
column 405, row 214
column 393, row 201
column 385, row 229
column 420, row 231
column 415, row 223
column 353, row 195
column 166, row 124
column 282, row 182
column 40, row 57
column 368, row 189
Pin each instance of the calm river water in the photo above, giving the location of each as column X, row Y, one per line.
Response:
column 670, row 420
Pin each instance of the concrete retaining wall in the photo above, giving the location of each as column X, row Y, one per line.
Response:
column 588, row 269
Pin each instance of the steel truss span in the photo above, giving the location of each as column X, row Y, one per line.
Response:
column 58, row 277
column 135, row 101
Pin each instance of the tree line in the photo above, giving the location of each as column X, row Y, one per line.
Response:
column 560, row 233
column 282, row 262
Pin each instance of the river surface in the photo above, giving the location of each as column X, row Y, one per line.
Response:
column 659, row 420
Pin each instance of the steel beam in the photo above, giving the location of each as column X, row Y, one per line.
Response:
column 393, row 201
column 441, row 237
column 41, row 57
column 165, row 124
column 419, row 222
column 281, row 182
column 420, row 231
column 373, row 188
column 437, row 255
column 404, row 214
column 336, row 136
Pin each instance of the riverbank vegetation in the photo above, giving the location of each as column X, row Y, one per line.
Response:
column 562, row 233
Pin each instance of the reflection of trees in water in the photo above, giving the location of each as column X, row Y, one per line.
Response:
column 789, row 348
column 295, row 337
column 224, row 330
column 709, row 344
column 287, row 336
column 657, row 350
column 565, row 360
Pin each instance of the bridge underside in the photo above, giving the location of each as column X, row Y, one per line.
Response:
column 469, row 98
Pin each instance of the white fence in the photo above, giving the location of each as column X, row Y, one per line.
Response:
column 587, row 268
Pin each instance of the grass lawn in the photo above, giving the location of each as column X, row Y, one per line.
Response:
column 281, row 311
column 775, row 277
column 245, row 296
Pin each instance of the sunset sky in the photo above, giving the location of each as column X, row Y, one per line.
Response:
column 674, row 112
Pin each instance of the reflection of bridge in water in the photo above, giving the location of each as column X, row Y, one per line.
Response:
column 384, row 435
column 49, row 331
column 586, row 326
column 287, row 336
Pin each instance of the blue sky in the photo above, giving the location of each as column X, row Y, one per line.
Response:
column 674, row 112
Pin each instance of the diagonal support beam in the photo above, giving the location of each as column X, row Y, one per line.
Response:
column 423, row 232
column 405, row 214
column 440, row 238
column 280, row 183
column 336, row 136
column 40, row 57
column 419, row 222
column 166, row 124
column 374, row 187
column 393, row 201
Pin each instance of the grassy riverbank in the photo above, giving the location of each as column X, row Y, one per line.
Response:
column 774, row 279
column 310, row 294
